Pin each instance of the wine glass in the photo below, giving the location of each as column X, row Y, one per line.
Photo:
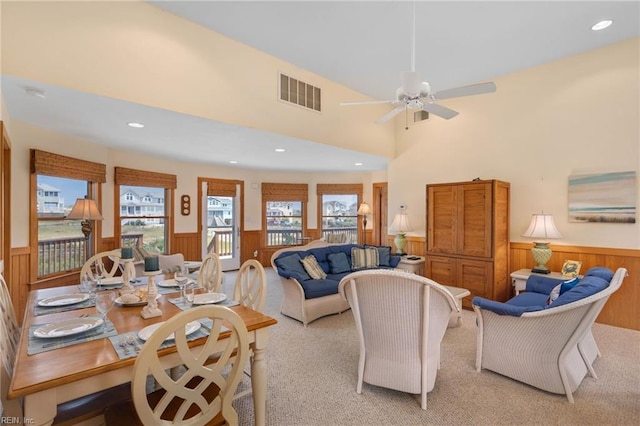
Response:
column 104, row 303
column 181, row 281
column 189, row 294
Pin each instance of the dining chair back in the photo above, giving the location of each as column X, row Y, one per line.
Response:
column 210, row 274
column 9, row 337
column 250, row 289
column 203, row 393
column 106, row 261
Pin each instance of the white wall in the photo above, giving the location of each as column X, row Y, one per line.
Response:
column 574, row 116
column 25, row 137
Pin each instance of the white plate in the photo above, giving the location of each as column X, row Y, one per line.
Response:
column 172, row 283
column 111, row 281
column 209, row 298
column 63, row 300
column 120, row 302
column 146, row 332
column 67, row 327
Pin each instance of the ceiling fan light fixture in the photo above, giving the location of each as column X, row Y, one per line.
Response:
column 601, row 25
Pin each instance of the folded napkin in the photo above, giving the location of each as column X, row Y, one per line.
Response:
column 129, row 345
column 38, row 344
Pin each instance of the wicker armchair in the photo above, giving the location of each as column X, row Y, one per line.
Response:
column 550, row 348
column 401, row 319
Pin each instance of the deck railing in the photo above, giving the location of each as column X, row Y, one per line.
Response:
column 66, row 254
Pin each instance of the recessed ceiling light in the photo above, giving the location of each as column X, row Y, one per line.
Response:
column 135, row 125
column 279, row 149
column 233, row 162
column 602, row 25
column 358, row 164
column 35, row 92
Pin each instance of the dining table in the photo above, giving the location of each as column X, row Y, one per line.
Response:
column 54, row 375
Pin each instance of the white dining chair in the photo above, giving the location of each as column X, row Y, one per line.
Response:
column 9, row 337
column 99, row 262
column 210, row 274
column 250, row 288
column 204, row 393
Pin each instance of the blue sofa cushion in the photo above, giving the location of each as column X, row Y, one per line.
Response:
column 589, row 285
column 289, row 266
column 338, row 263
column 319, row 288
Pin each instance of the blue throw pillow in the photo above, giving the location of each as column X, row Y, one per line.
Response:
column 600, row 272
column 384, row 255
column 290, row 266
column 338, row 263
column 568, row 285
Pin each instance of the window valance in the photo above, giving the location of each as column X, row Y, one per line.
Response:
column 222, row 187
column 134, row 177
column 285, row 192
column 339, row 188
column 47, row 163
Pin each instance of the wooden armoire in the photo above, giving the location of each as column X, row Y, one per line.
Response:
column 468, row 237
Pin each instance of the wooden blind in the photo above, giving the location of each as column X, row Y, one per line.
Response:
column 133, row 177
column 339, row 188
column 285, row 192
column 221, row 187
column 47, row 163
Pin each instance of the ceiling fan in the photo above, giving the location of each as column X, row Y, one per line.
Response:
column 414, row 94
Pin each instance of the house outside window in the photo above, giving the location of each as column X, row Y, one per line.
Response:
column 143, row 217
column 284, row 211
column 340, row 217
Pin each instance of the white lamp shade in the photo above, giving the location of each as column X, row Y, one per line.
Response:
column 542, row 226
column 364, row 209
column 400, row 224
column 85, row 209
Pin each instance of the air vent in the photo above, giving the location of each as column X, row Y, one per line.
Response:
column 300, row 93
column 420, row 116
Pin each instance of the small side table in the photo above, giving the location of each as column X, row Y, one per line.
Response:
column 458, row 294
column 415, row 266
column 519, row 278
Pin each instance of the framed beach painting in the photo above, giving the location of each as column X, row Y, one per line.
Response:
column 604, row 197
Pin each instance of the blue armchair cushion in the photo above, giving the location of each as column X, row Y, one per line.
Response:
column 289, row 266
column 338, row 263
column 601, row 272
column 541, row 284
column 500, row 308
column 589, row 285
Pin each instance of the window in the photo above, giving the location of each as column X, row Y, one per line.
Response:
column 284, row 206
column 58, row 245
column 144, row 210
column 338, row 211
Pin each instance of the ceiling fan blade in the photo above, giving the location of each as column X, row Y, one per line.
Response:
column 440, row 111
column 366, row 103
column 411, row 83
column 397, row 110
column 474, row 89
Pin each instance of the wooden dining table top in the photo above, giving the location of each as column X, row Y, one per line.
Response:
column 45, row 370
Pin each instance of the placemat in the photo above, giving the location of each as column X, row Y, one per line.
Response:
column 129, row 345
column 44, row 310
column 180, row 304
column 37, row 344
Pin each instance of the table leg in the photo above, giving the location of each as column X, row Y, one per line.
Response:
column 259, row 377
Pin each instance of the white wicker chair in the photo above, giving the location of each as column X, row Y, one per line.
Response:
column 204, row 393
column 401, row 319
column 551, row 349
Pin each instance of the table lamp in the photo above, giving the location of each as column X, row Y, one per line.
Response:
column 399, row 226
column 363, row 211
column 542, row 227
column 86, row 210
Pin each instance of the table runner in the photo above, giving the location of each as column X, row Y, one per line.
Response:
column 37, row 344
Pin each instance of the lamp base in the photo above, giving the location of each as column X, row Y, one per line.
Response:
column 538, row 270
column 400, row 241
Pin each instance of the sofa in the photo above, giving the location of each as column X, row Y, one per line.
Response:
column 309, row 296
column 543, row 337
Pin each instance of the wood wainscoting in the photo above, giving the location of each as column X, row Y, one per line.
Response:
column 621, row 310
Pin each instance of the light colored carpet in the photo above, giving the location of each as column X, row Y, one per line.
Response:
column 312, row 375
